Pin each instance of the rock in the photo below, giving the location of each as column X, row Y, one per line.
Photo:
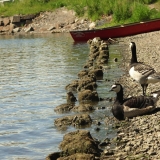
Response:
column 28, row 29
column 53, row 156
column 15, row 30
column 71, row 98
column 88, row 95
column 64, row 107
column 12, row 26
column 79, row 141
column 6, row 21
column 75, row 120
column 64, row 121
column 98, row 73
column 87, row 83
column 78, row 156
column 83, row 107
column 92, row 25
column 80, row 120
column 72, row 86
column 82, row 73
column 51, row 28
column 15, row 19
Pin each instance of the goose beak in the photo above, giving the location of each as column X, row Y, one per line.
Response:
column 110, row 90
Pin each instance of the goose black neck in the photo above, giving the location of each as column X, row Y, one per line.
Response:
column 119, row 97
column 134, row 55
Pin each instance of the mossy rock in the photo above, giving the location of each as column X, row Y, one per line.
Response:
column 79, row 141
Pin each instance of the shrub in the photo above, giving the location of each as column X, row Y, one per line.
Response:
column 140, row 12
column 147, row 1
column 121, row 10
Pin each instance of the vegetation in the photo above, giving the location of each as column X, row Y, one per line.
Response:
column 122, row 11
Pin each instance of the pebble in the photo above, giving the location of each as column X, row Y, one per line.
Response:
column 141, row 137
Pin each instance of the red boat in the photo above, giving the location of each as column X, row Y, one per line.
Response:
column 117, row 31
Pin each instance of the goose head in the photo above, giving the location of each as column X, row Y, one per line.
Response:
column 132, row 45
column 116, row 87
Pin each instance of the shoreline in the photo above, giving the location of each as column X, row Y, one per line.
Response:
column 139, row 137
column 142, row 136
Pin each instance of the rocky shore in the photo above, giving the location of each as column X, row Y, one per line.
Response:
column 61, row 20
column 137, row 138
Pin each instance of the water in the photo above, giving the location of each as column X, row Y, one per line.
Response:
column 34, row 71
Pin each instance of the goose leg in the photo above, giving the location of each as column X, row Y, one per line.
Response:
column 144, row 89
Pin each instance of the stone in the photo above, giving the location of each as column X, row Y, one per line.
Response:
column 79, row 141
column 12, row 26
column 15, row 30
column 51, row 28
column 75, row 120
column 53, row 156
column 83, row 107
column 28, row 29
column 64, row 107
column 88, row 95
column 6, row 21
column 92, row 25
column 15, row 19
column 78, row 156
column 1, row 21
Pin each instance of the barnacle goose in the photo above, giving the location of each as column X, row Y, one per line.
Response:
column 142, row 73
column 133, row 106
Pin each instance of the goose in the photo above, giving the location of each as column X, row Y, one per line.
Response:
column 142, row 73
column 133, row 106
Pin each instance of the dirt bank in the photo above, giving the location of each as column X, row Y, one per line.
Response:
column 61, row 20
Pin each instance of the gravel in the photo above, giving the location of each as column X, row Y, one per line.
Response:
column 139, row 137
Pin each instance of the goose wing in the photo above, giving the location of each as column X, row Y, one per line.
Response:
column 139, row 102
column 142, row 68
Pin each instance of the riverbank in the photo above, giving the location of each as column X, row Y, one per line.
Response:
column 139, row 138
column 61, row 20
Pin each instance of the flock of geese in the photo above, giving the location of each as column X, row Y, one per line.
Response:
column 138, row 105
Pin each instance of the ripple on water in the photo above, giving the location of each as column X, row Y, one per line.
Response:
column 34, row 71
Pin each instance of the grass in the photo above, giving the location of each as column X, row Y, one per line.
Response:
column 125, row 11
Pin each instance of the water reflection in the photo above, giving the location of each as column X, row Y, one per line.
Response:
column 34, row 70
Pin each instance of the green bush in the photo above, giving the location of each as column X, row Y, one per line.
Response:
column 147, row 1
column 140, row 12
column 121, row 10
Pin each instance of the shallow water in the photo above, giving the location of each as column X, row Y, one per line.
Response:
column 34, row 71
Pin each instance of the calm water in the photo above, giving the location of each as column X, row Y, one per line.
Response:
column 34, row 71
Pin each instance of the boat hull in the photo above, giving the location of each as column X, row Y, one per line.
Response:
column 117, row 31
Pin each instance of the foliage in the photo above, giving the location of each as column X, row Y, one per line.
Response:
column 147, row 1
column 140, row 12
column 122, row 11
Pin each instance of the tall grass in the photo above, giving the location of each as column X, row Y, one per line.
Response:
column 140, row 12
column 122, row 11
